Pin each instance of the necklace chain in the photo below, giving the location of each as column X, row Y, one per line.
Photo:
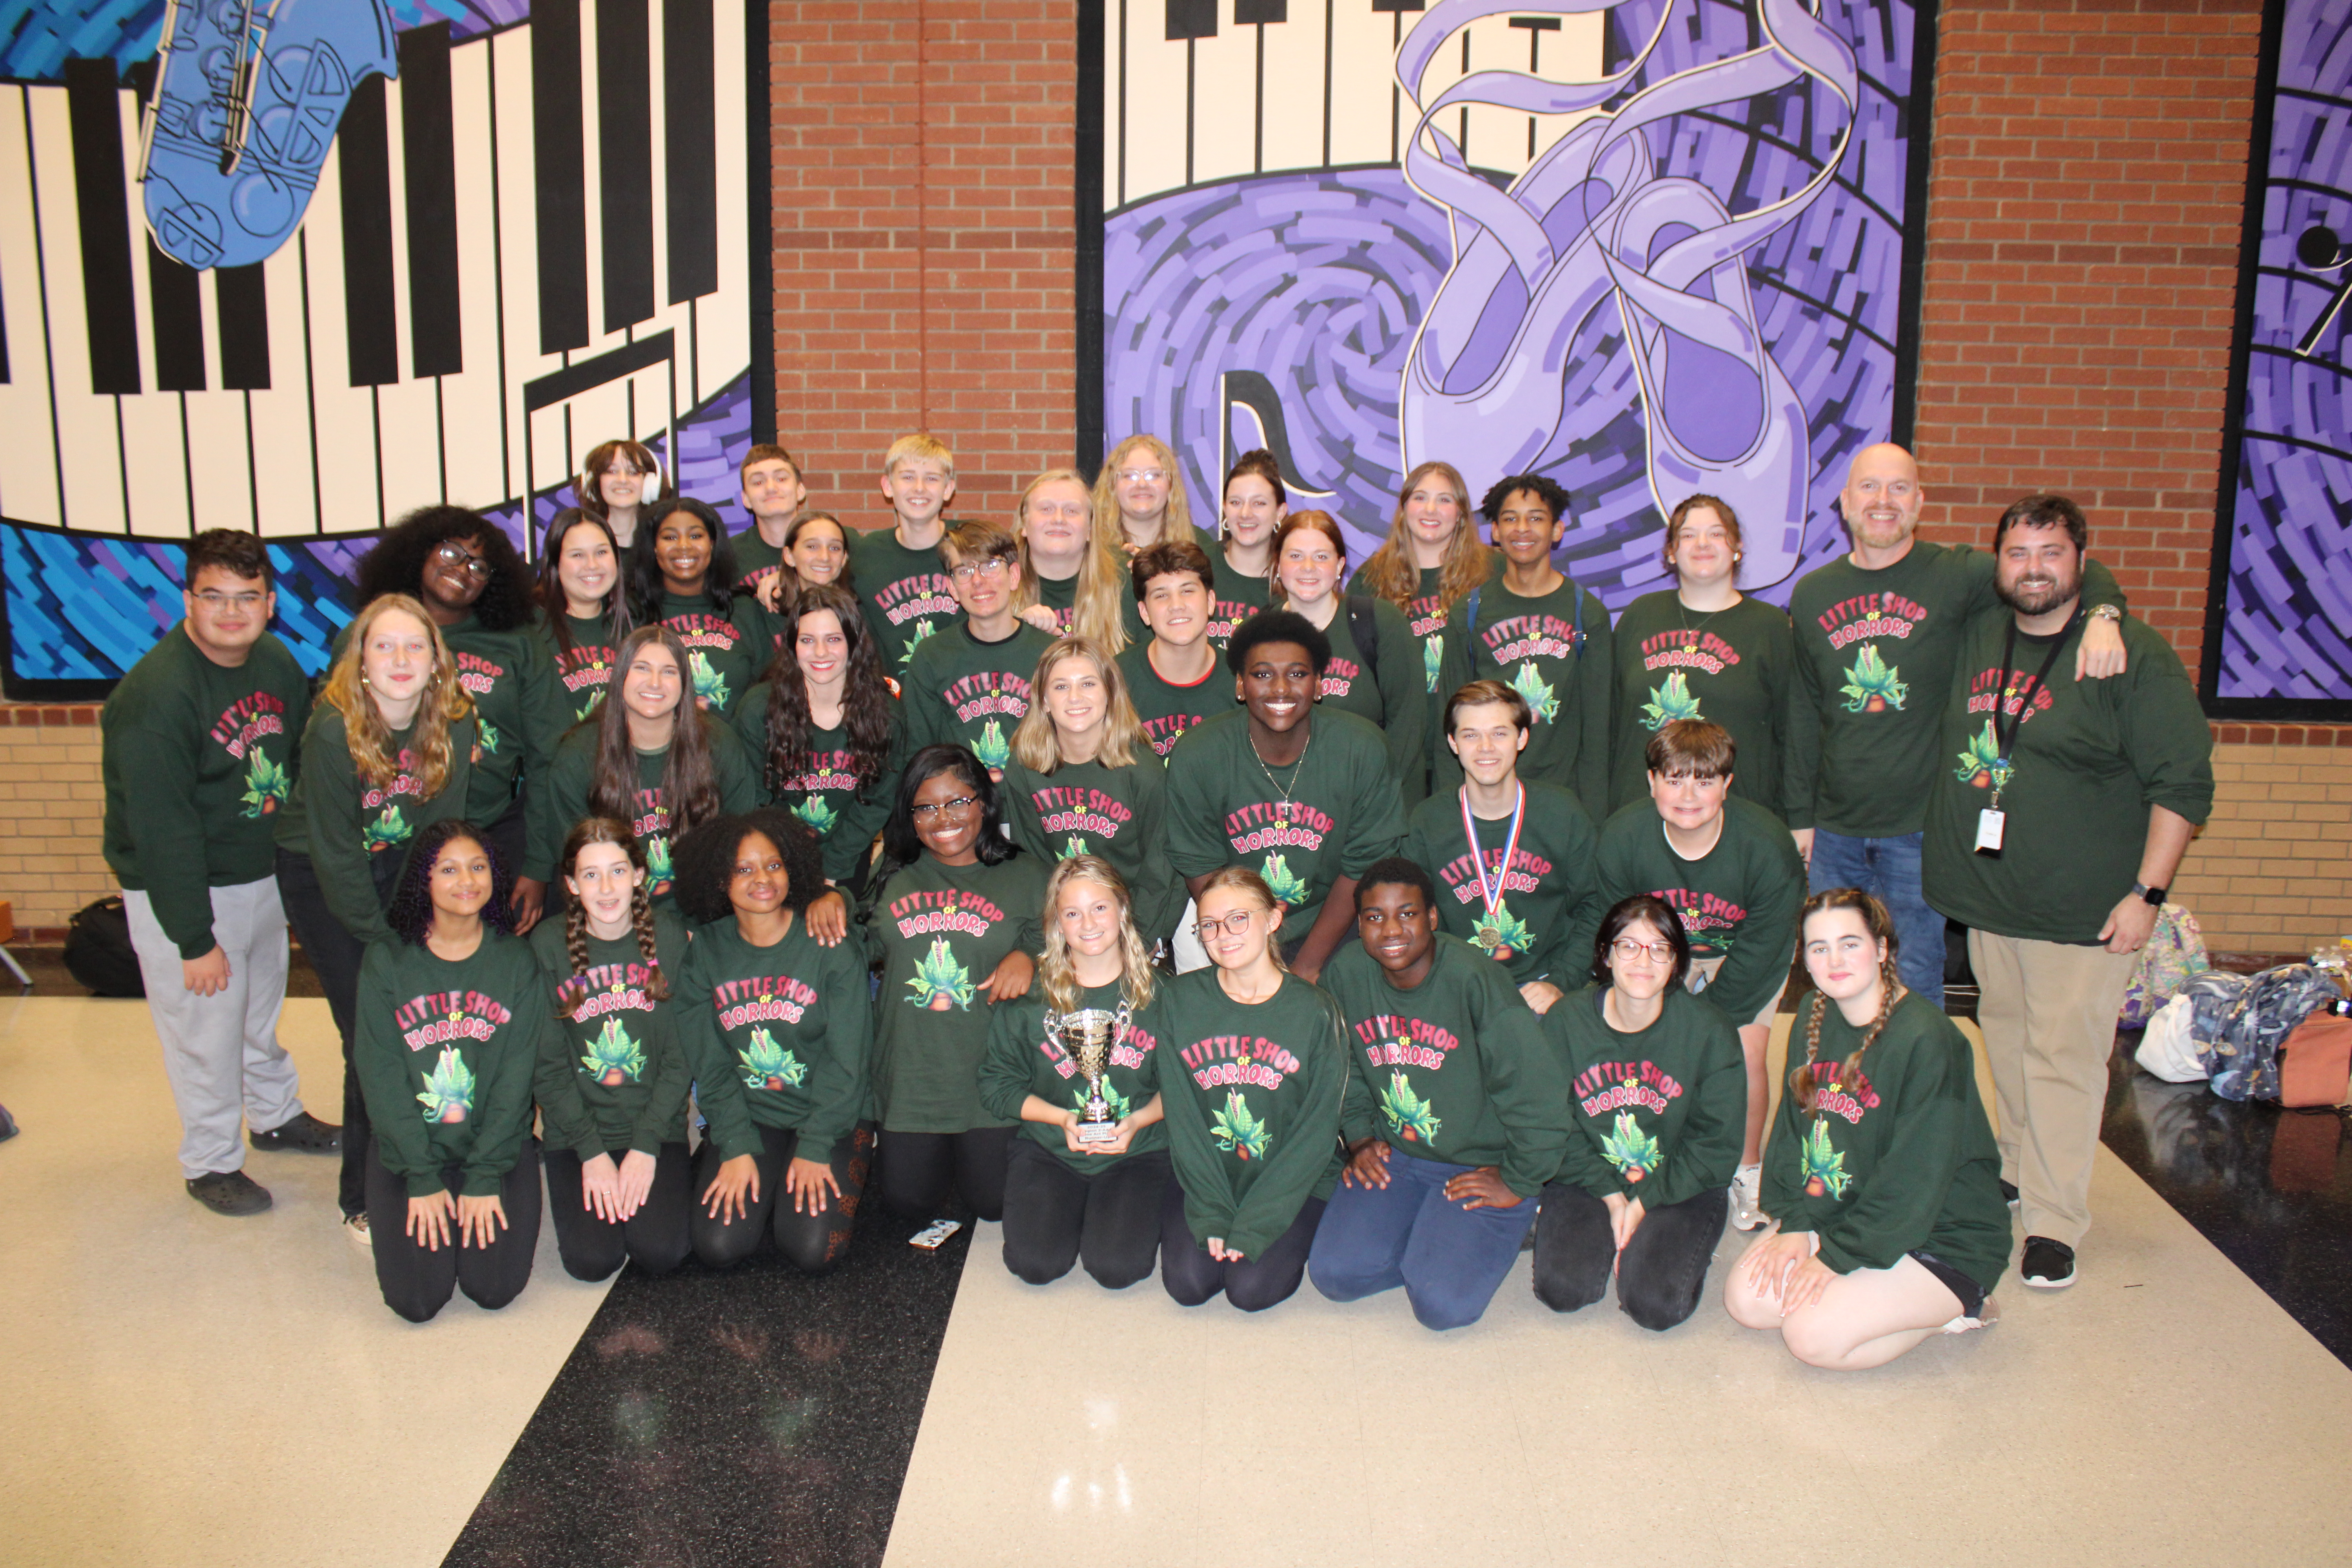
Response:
column 1282, row 818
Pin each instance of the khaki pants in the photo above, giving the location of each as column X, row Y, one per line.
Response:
column 2048, row 1012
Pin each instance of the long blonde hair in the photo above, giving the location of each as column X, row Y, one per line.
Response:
column 1250, row 882
column 1027, row 594
column 1037, row 746
column 442, row 704
column 1389, row 572
column 1054, row 969
column 1104, row 587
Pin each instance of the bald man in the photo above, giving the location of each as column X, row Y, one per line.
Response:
column 1878, row 637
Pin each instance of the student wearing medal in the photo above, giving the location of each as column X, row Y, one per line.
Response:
column 1513, row 856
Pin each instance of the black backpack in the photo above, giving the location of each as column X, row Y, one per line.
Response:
column 99, row 952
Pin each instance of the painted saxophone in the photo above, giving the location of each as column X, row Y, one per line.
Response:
column 248, row 97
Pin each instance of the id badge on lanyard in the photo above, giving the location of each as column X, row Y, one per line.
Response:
column 1993, row 822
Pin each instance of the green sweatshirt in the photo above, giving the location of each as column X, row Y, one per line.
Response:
column 777, row 1035
column 613, row 1076
column 1119, row 814
column 197, row 760
column 1061, row 597
column 1167, row 709
column 1425, row 619
column 1551, row 900
column 519, row 705
column 1875, row 650
column 1252, row 1093
column 1391, row 696
column 1739, row 901
column 726, row 653
column 1904, row 1163
column 343, row 824
column 586, row 670
column 1021, row 1061
column 755, row 558
column 1734, row 667
column 1659, row 1113
column 820, row 788
column 1225, row 808
column 1530, row 644
column 907, row 594
column 570, row 779
column 2090, row 758
column 1455, row 1069
column 1238, row 598
column 444, row 1054
column 940, row 931
column 963, row 691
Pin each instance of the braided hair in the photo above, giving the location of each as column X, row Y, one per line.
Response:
column 575, row 987
column 411, row 914
column 1803, row 1080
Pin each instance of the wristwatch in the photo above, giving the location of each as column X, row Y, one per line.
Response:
column 2106, row 613
column 2154, row 897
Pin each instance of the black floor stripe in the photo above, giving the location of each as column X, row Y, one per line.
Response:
column 739, row 1416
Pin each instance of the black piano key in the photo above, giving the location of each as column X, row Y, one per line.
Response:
column 94, row 114
column 560, row 167
column 1256, row 13
column 241, row 304
column 364, row 147
column 1192, row 19
column 4, row 345
column 624, row 149
column 429, row 172
column 176, row 297
column 690, row 136
column 1382, row 7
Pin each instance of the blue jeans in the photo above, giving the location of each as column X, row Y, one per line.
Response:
column 1888, row 868
column 1450, row 1260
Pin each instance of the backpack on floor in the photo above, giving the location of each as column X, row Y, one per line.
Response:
column 2240, row 1023
column 2174, row 951
column 99, row 952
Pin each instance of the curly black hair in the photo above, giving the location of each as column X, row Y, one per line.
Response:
column 1277, row 626
column 902, row 845
column 647, row 584
column 411, row 914
column 396, row 565
column 702, row 862
column 1554, row 498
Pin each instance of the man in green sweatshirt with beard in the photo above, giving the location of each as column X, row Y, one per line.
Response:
column 198, row 753
column 2061, row 812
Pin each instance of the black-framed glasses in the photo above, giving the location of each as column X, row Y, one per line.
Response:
column 456, row 554
column 956, row 807
column 217, row 602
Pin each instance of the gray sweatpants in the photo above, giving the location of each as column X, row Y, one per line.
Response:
column 221, row 1052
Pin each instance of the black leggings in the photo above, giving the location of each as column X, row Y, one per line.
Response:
column 416, row 1283
column 1054, row 1216
column 811, row 1243
column 334, row 955
column 592, row 1246
column 1193, row 1277
column 918, row 1167
column 1662, row 1273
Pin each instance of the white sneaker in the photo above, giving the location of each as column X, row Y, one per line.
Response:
column 356, row 1226
column 1747, row 1199
column 1987, row 1316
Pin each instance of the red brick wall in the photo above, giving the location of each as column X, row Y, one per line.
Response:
column 2083, row 214
column 924, row 232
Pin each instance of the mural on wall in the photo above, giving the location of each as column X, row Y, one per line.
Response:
column 1648, row 247
column 301, row 268
column 2278, row 638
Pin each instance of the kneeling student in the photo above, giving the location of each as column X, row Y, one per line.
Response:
column 1452, row 1119
column 1657, row 1094
column 1067, row 1197
column 1882, row 1173
column 612, row 1075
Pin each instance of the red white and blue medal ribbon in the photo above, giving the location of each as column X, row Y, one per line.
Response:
column 1492, row 892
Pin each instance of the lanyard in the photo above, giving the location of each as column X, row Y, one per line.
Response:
column 1492, row 892
column 2002, row 744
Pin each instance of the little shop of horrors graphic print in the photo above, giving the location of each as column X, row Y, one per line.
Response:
column 1536, row 644
column 1498, row 933
column 390, row 828
column 1405, row 1046
column 1079, row 814
column 440, row 1018
column 1871, row 685
column 916, row 606
column 2015, row 696
column 1272, row 829
column 744, row 1007
column 480, row 677
column 1820, row 1153
column 941, row 979
column 1636, row 1094
column 611, row 992
column 240, row 731
column 1676, row 652
column 987, row 707
column 1245, row 1067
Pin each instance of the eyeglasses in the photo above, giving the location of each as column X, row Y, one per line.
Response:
column 955, row 807
column 970, row 571
column 216, row 603
column 1141, row 476
column 456, row 554
column 1628, row 950
column 1238, row 922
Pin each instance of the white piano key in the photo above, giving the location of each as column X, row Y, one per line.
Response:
column 350, row 499
column 220, row 477
column 1114, row 80
column 279, row 415
column 1294, row 88
column 535, row 453
column 1155, row 80
column 1365, row 113
column 473, row 414
column 1224, row 100
column 154, row 439
column 29, row 482
column 87, row 431
column 723, row 322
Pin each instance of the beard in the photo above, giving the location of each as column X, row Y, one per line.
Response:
column 2037, row 589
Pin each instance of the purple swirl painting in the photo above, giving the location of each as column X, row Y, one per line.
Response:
column 1650, row 249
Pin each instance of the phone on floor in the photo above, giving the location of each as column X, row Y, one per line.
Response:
column 932, row 1235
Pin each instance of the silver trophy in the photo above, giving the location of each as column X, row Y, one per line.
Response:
column 1087, row 1036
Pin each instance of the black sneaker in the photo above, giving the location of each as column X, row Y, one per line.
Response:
column 304, row 1134
column 2008, row 1193
column 2048, row 1265
column 230, row 1192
